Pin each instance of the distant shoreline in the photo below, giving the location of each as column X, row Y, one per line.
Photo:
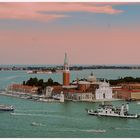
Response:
column 60, row 67
column 25, row 97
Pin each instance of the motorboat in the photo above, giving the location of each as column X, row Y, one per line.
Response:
column 111, row 111
column 6, row 108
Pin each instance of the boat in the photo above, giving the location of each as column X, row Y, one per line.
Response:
column 6, row 108
column 36, row 124
column 111, row 111
column 138, row 103
column 56, row 97
column 30, row 72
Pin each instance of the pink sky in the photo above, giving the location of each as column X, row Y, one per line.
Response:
column 84, row 44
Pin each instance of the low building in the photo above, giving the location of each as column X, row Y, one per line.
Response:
column 128, row 91
column 135, row 95
column 127, row 94
column 23, row 89
column 77, row 95
column 131, row 86
column 122, row 93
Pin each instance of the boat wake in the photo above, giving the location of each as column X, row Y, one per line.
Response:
column 27, row 114
column 80, row 130
column 43, row 115
column 118, row 128
column 95, row 131
column 43, row 111
column 37, row 124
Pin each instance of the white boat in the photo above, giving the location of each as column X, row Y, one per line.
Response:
column 36, row 124
column 6, row 108
column 138, row 103
column 111, row 111
column 30, row 72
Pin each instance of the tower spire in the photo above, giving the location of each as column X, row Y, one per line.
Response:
column 66, row 66
column 65, row 59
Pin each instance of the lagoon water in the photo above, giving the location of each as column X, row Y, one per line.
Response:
column 69, row 119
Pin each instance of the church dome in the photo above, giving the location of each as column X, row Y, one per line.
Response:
column 91, row 78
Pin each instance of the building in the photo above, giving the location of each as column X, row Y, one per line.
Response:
column 104, row 91
column 92, row 79
column 81, row 90
column 19, row 88
column 79, row 96
column 48, row 92
column 127, row 91
column 131, row 86
column 78, row 90
column 66, row 72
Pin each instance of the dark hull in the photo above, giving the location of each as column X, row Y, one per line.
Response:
column 6, row 109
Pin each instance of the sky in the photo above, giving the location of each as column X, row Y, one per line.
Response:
column 90, row 33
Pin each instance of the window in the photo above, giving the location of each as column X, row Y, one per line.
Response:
column 104, row 95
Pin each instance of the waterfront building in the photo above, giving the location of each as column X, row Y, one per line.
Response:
column 79, row 90
column 131, row 86
column 19, row 88
column 79, row 96
column 66, row 72
column 104, row 91
column 127, row 91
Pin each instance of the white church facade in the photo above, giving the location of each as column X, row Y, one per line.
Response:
column 104, row 91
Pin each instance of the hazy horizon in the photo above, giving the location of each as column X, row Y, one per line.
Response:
column 70, row 65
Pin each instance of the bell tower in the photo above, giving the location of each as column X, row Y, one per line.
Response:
column 66, row 72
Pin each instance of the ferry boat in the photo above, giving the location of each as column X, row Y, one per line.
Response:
column 111, row 111
column 6, row 108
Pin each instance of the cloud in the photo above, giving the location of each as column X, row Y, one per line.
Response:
column 33, row 11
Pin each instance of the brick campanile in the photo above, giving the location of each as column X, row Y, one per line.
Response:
column 66, row 72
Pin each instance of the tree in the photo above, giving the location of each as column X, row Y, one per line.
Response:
column 40, row 82
column 24, row 83
column 50, row 82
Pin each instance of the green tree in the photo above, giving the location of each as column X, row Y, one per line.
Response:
column 50, row 82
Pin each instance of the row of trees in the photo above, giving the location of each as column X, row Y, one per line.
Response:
column 125, row 80
column 40, row 82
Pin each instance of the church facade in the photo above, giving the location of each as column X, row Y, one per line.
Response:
column 104, row 91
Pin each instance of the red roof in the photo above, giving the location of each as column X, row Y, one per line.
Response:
column 127, row 90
